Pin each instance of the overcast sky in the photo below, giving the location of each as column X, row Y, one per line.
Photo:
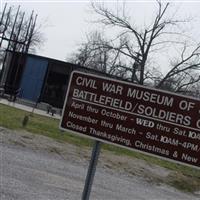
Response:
column 67, row 22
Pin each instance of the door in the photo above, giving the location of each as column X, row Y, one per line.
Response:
column 33, row 78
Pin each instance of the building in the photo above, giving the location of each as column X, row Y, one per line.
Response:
column 37, row 79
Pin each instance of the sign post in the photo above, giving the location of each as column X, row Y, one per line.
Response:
column 151, row 121
column 91, row 170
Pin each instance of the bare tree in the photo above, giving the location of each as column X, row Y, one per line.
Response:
column 134, row 47
column 184, row 70
column 96, row 53
column 21, row 30
column 18, row 33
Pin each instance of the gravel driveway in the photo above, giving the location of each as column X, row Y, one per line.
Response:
column 35, row 167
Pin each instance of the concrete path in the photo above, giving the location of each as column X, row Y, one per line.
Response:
column 28, row 108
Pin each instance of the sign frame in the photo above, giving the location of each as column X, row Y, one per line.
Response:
column 112, row 143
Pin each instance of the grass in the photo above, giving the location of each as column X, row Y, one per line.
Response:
column 183, row 177
column 12, row 118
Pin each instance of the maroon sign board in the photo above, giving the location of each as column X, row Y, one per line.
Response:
column 139, row 118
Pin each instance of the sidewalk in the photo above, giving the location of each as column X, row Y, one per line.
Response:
column 28, row 108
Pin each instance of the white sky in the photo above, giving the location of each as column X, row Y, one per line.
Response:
column 68, row 21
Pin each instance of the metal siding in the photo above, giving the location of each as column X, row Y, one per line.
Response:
column 33, row 77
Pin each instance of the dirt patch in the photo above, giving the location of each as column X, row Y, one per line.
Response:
column 109, row 161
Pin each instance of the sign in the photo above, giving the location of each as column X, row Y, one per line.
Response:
column 148, row 120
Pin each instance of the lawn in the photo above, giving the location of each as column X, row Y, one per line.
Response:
column 188, row 178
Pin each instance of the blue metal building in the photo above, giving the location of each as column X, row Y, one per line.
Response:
column 37, row 78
